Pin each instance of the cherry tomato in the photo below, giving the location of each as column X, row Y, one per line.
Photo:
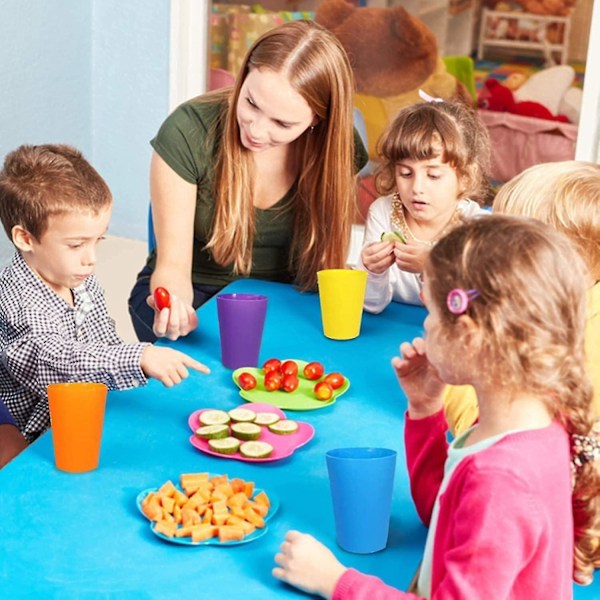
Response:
column 335, row 380
column 273, row 381
column 247, row 381
column 273, row 364
column 323, row 391
column 290, row 383
column 289, row 367
column 313, row 371
column 162, row 298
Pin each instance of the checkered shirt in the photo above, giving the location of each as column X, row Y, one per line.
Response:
column 43, row 340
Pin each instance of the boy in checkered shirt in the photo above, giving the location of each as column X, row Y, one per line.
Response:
column 54, row 324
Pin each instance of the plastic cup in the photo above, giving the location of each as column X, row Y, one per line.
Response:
column 77, row 418
column 362, row 483
column 241, row 324
column 342, row 294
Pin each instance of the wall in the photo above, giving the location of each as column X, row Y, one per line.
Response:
column 94, row 74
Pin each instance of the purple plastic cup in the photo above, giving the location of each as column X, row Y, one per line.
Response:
column 241, row 323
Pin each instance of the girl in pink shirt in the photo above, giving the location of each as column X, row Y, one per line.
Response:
column 513, row 505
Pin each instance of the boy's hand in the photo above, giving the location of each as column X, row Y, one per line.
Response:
column 174, row 322
column 411, row 256
column 308, row 565
column 167, row 365
column 378, row 257
column 419, row 379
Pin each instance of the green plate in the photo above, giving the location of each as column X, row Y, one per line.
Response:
column 302, row 399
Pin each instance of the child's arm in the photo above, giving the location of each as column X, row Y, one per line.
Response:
column 168, row 365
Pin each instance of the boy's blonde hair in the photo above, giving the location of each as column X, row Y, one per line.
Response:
column 566, row 196
column 530, row 315
column 37, row 182
column 420, row 130
column 319, row 70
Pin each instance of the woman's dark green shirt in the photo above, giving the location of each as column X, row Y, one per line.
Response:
column 188, row 141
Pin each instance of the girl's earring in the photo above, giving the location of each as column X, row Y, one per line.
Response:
column 312, row 128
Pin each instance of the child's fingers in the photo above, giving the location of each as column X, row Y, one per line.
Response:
column 188, row 361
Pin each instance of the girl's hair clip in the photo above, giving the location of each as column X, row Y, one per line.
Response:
column 458, row 300
column 425, row 96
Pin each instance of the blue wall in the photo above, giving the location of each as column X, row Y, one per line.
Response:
column 93, row 74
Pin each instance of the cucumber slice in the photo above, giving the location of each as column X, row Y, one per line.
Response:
column 284, row 427
column 213, row 432
column 392, row 236
column 242, row 415
column 228, row 445
column 214, row 417
column 246, row 431
column 266, row 418
column 256, row 449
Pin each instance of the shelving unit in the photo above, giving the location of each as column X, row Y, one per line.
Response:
column 525, row 32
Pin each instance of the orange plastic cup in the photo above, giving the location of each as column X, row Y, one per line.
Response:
column 77, row 418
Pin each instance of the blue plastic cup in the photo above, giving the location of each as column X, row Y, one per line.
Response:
column 362, row 483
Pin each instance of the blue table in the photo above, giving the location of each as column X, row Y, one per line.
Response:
column 79, row 536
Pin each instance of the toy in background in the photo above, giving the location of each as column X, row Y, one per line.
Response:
column 548, row 94
column 558, row 8
column 393, row 55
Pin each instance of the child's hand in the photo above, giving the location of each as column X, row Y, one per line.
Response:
column 306, row 564
column 378, row 257
column 419, row 379
column 167, row 365
column 174, row 322
column 411, row 256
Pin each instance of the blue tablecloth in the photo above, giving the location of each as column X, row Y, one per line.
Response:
column 80, row 536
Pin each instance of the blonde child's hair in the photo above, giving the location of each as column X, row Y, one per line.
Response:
column 566, row 196
column 318, row 69
column 37, row 182
column 530, row 316
column 422, row 131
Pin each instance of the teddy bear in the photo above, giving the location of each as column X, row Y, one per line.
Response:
column 393, row 55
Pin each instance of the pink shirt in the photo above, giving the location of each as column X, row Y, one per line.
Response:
column 505, row 526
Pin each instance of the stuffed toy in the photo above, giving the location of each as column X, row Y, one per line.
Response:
column 393, row 55
column 497, row 97
column 556, row 8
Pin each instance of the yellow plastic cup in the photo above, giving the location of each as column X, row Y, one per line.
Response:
column 77, row 418
column 342, row 294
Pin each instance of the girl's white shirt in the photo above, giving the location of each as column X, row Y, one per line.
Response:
column 395, row 284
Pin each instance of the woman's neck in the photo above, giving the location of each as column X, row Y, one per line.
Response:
column 504, row 411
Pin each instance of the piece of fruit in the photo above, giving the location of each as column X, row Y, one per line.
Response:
column 213, row 432
column 289, row 367
column 273, row 364
column 256, row 449
column 162, row 298
column 246, row 431
column 335, row 380
column 266, row 418
column 247, row 381
column 228, row 445
column 284, row 427
column 323, row 391
column 290, row 383
column 273, row 381
column 313, row 371
column 392, row 236
column 214, row 417
column 242, row 415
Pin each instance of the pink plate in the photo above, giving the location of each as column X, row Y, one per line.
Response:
column 283, row 445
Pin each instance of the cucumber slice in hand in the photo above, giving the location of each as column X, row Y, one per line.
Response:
column 392, row 236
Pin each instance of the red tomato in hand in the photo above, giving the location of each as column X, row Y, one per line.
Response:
column 290, row 383
column 289, row 367
column 323, row 391
column 313, row 371
column 273, row 381
column 247, row 381
column 335, row 380
column 273, row 364
column 162, row 298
